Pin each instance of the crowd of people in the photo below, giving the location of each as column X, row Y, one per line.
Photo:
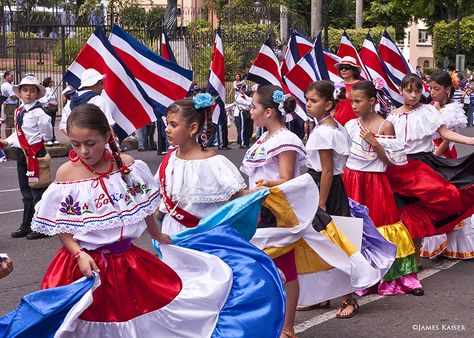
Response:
column 397, row 169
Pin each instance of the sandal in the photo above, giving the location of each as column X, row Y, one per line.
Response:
column 289, row 334
column 323, row 305
column 353, row 303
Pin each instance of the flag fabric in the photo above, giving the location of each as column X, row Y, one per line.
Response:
column 165, row 48
column 163, row 81
column 376, row 69
column 331, row 59
column 216, row 83
column 126, row 100
column 394, row 60
column 311, row 67
column 298, row 46
column 346, row 48
column 265, row 69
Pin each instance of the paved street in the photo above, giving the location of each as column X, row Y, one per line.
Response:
column 445, row 310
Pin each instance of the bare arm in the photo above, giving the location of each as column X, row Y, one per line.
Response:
column 378, row 148
column 155, row 230
column 455, row 137
column 86, row 263
column 286, row 165
column 442, row 148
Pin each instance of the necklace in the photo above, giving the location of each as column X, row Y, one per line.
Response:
column 185, row 157
column 323, row 119
column 369, row 127
column 97, row 172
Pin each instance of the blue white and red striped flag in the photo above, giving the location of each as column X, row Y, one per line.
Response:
column 297, row 47
column 165, row 48
column 216, row 83
column 346, row 48
column 308, row 69
column 376, row 69
column 164, row 81
column 331, row 60
column 127, row 101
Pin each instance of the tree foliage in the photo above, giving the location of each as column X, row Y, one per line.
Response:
column 444, row 41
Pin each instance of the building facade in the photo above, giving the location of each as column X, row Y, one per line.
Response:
column 417, row 46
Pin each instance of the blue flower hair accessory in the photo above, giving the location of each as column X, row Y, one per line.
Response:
column 203, row 100
column 278, row 96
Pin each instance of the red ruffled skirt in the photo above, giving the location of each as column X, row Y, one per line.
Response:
column 133, row 282
column 436, row 205
column 372, row 189
column 449, row 152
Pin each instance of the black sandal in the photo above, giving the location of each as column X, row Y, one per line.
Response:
column 345, row 304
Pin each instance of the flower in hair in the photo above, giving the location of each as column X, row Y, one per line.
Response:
column 278, row 96
column 203, row 100
column 379, row 83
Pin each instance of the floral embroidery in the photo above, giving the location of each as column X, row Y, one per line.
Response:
column 69, row 207
column 85, row 209
column 137, row 188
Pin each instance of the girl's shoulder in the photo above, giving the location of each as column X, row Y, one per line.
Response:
column 206, row 153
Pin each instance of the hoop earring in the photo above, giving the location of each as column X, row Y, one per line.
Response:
column 73, row 156
column 106, row 155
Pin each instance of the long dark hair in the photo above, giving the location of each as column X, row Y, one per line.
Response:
column 265, row 98
column 325, row 90
column 190, row 114
column 90, row 116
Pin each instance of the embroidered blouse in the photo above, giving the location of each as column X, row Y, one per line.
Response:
column 198, row 186
column 99, row 211
column 364, row 158
column 261, row 159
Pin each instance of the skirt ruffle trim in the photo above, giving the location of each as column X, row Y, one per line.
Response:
column 401, row 267
column 399, row 286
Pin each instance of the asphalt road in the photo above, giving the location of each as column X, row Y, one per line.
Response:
column 445, row 310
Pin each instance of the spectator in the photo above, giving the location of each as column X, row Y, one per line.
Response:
column 11, row 103
column 50, row 105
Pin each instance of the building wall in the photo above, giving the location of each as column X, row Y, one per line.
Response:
column 417, row 45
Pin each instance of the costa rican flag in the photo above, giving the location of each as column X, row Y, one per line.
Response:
column 331, row 59
column 310, row 68
column 346, row 48
column 166, row 51
column 216, row 84
column 297, row 47
column 129, row 104
column 376, row 69
column 164, row 81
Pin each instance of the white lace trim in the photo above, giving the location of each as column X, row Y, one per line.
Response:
column 454, row 116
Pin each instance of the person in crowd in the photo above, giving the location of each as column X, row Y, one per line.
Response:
column 6, row 265
column 243, row 121
column 194, row 179
column 458, row 243
column 349, row 71
column 67, row 93
column 11, row 101
column 374, row 148
column 146, row 137
column 50, row 105
column 33, row 129
column 438, row 207
column 280, row 154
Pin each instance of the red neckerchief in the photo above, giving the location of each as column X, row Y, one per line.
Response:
column 32, row 164
column 180, row 215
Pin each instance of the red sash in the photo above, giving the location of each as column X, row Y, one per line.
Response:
column 180, row 215
column 32, row 164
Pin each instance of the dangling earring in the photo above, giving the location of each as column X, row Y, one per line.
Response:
column 73, row 156
column 106, row 155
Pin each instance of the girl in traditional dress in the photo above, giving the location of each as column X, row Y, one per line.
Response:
column 194, row 180
column 328, row 148
column 100, row 202
column 434, row 194
column 275, row 158
column 460, row 242
column 374, row 147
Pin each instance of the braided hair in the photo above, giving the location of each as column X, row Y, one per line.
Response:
column 190, row 114
column 90, row 116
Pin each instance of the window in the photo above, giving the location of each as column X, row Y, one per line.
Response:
column 426, row 64
column 422, row 36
